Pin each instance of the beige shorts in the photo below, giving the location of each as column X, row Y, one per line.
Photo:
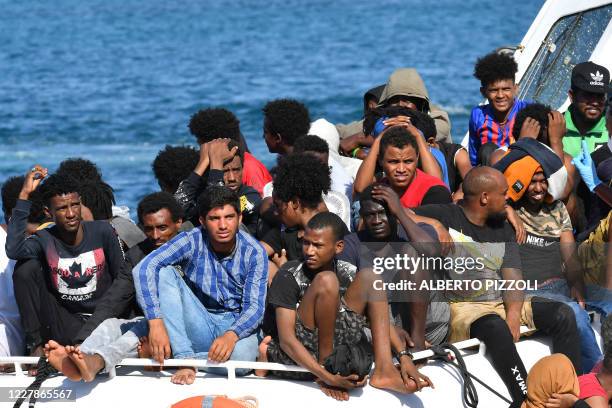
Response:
column 463, row 314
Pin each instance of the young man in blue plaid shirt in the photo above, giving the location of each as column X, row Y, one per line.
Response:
column 204, row 291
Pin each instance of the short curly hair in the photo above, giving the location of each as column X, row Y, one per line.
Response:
column 173, row 164
column 214, row 123
column 58, row 185
column 299, row 176
column 287, row 117
column 495, row 67
column 99, row 198
column 397, row 136
column 535, row 111
column 152, row 203
column 79, row 169
column 310, row 143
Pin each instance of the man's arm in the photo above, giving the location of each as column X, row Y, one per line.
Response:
column 513, row 302
column 187, row 192
column 253, row 296
column 365, row 174
column 473, row 139
column 146, row 273
column 573, row 271
column 18, row 246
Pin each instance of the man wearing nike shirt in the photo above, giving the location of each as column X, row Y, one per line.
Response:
column 66, row 268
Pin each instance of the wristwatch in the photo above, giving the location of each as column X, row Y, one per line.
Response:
column 404, row 352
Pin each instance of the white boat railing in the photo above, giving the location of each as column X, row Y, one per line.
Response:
column 232, row 365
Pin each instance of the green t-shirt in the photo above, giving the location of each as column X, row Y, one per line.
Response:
column 595, row 137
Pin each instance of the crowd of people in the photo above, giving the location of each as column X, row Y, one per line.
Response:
column 230, row 260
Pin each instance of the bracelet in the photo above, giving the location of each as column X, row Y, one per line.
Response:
column 355, row 151
column 404, row 352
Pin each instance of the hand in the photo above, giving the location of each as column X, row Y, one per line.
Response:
column 204, row 161
column 348, row 382
column 159, row 341
column 410, row 374
column 514, row 324
column 279, row 259
column 586, row 167
column 561, row 401
column 222, row 347
column 556, row 127
column 386, row 194
column 32, row 181
column 517, row 224
column 218, row 153
column 404, row 337
column 530, row 128
column 578, row 294
column 347, row 145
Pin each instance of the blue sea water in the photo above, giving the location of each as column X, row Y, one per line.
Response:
column 114, row 81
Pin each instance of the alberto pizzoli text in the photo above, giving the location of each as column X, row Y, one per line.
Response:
column 456, row 285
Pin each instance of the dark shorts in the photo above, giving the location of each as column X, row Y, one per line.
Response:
column 348, row 330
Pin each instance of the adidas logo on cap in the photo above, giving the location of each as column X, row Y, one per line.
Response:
column 597, row 78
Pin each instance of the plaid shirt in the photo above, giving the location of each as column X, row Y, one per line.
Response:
column 236, row 283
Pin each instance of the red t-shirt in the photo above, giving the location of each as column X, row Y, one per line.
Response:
column 419, row 187
column 590, row 387
column 254, row 173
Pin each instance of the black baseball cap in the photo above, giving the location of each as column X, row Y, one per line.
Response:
column 590, row 77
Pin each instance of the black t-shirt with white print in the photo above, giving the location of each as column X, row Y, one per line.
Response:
column 77, row 275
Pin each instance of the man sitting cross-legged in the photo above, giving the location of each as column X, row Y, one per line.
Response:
column 313, row 316
column 113, row 339
column 211, row 307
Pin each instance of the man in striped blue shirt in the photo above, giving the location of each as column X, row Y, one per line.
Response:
column 204, row 291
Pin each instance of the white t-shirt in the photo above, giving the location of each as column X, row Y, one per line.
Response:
column 340, row 180
column 11, row 333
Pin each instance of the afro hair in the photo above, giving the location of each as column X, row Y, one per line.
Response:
column 288, row 118
column 99, row 198
column 173, row 164
column 58, row 185
column 310, row 143
column 536, row 111
column 10, row 192
column 495, row 67
column 155, row 202
column 214, row 123
column 299, row 176
column 79, row 169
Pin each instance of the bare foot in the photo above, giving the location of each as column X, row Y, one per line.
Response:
column 390, row 379
column 263, row 356
column 58, row 357
column 339, row 394
column 185, row 375
column 88, row 364
column 144, row 351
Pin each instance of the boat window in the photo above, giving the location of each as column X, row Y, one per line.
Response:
column 571, row 40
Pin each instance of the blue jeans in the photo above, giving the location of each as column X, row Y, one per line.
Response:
column 192, row 328
column 597, row 298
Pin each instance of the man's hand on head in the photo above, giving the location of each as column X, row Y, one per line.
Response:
column 530, row 128
column 223, row 346
column 556, row 127
column 32, row 180
column 159, row 341
column 386, row 194
column 218, row 152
